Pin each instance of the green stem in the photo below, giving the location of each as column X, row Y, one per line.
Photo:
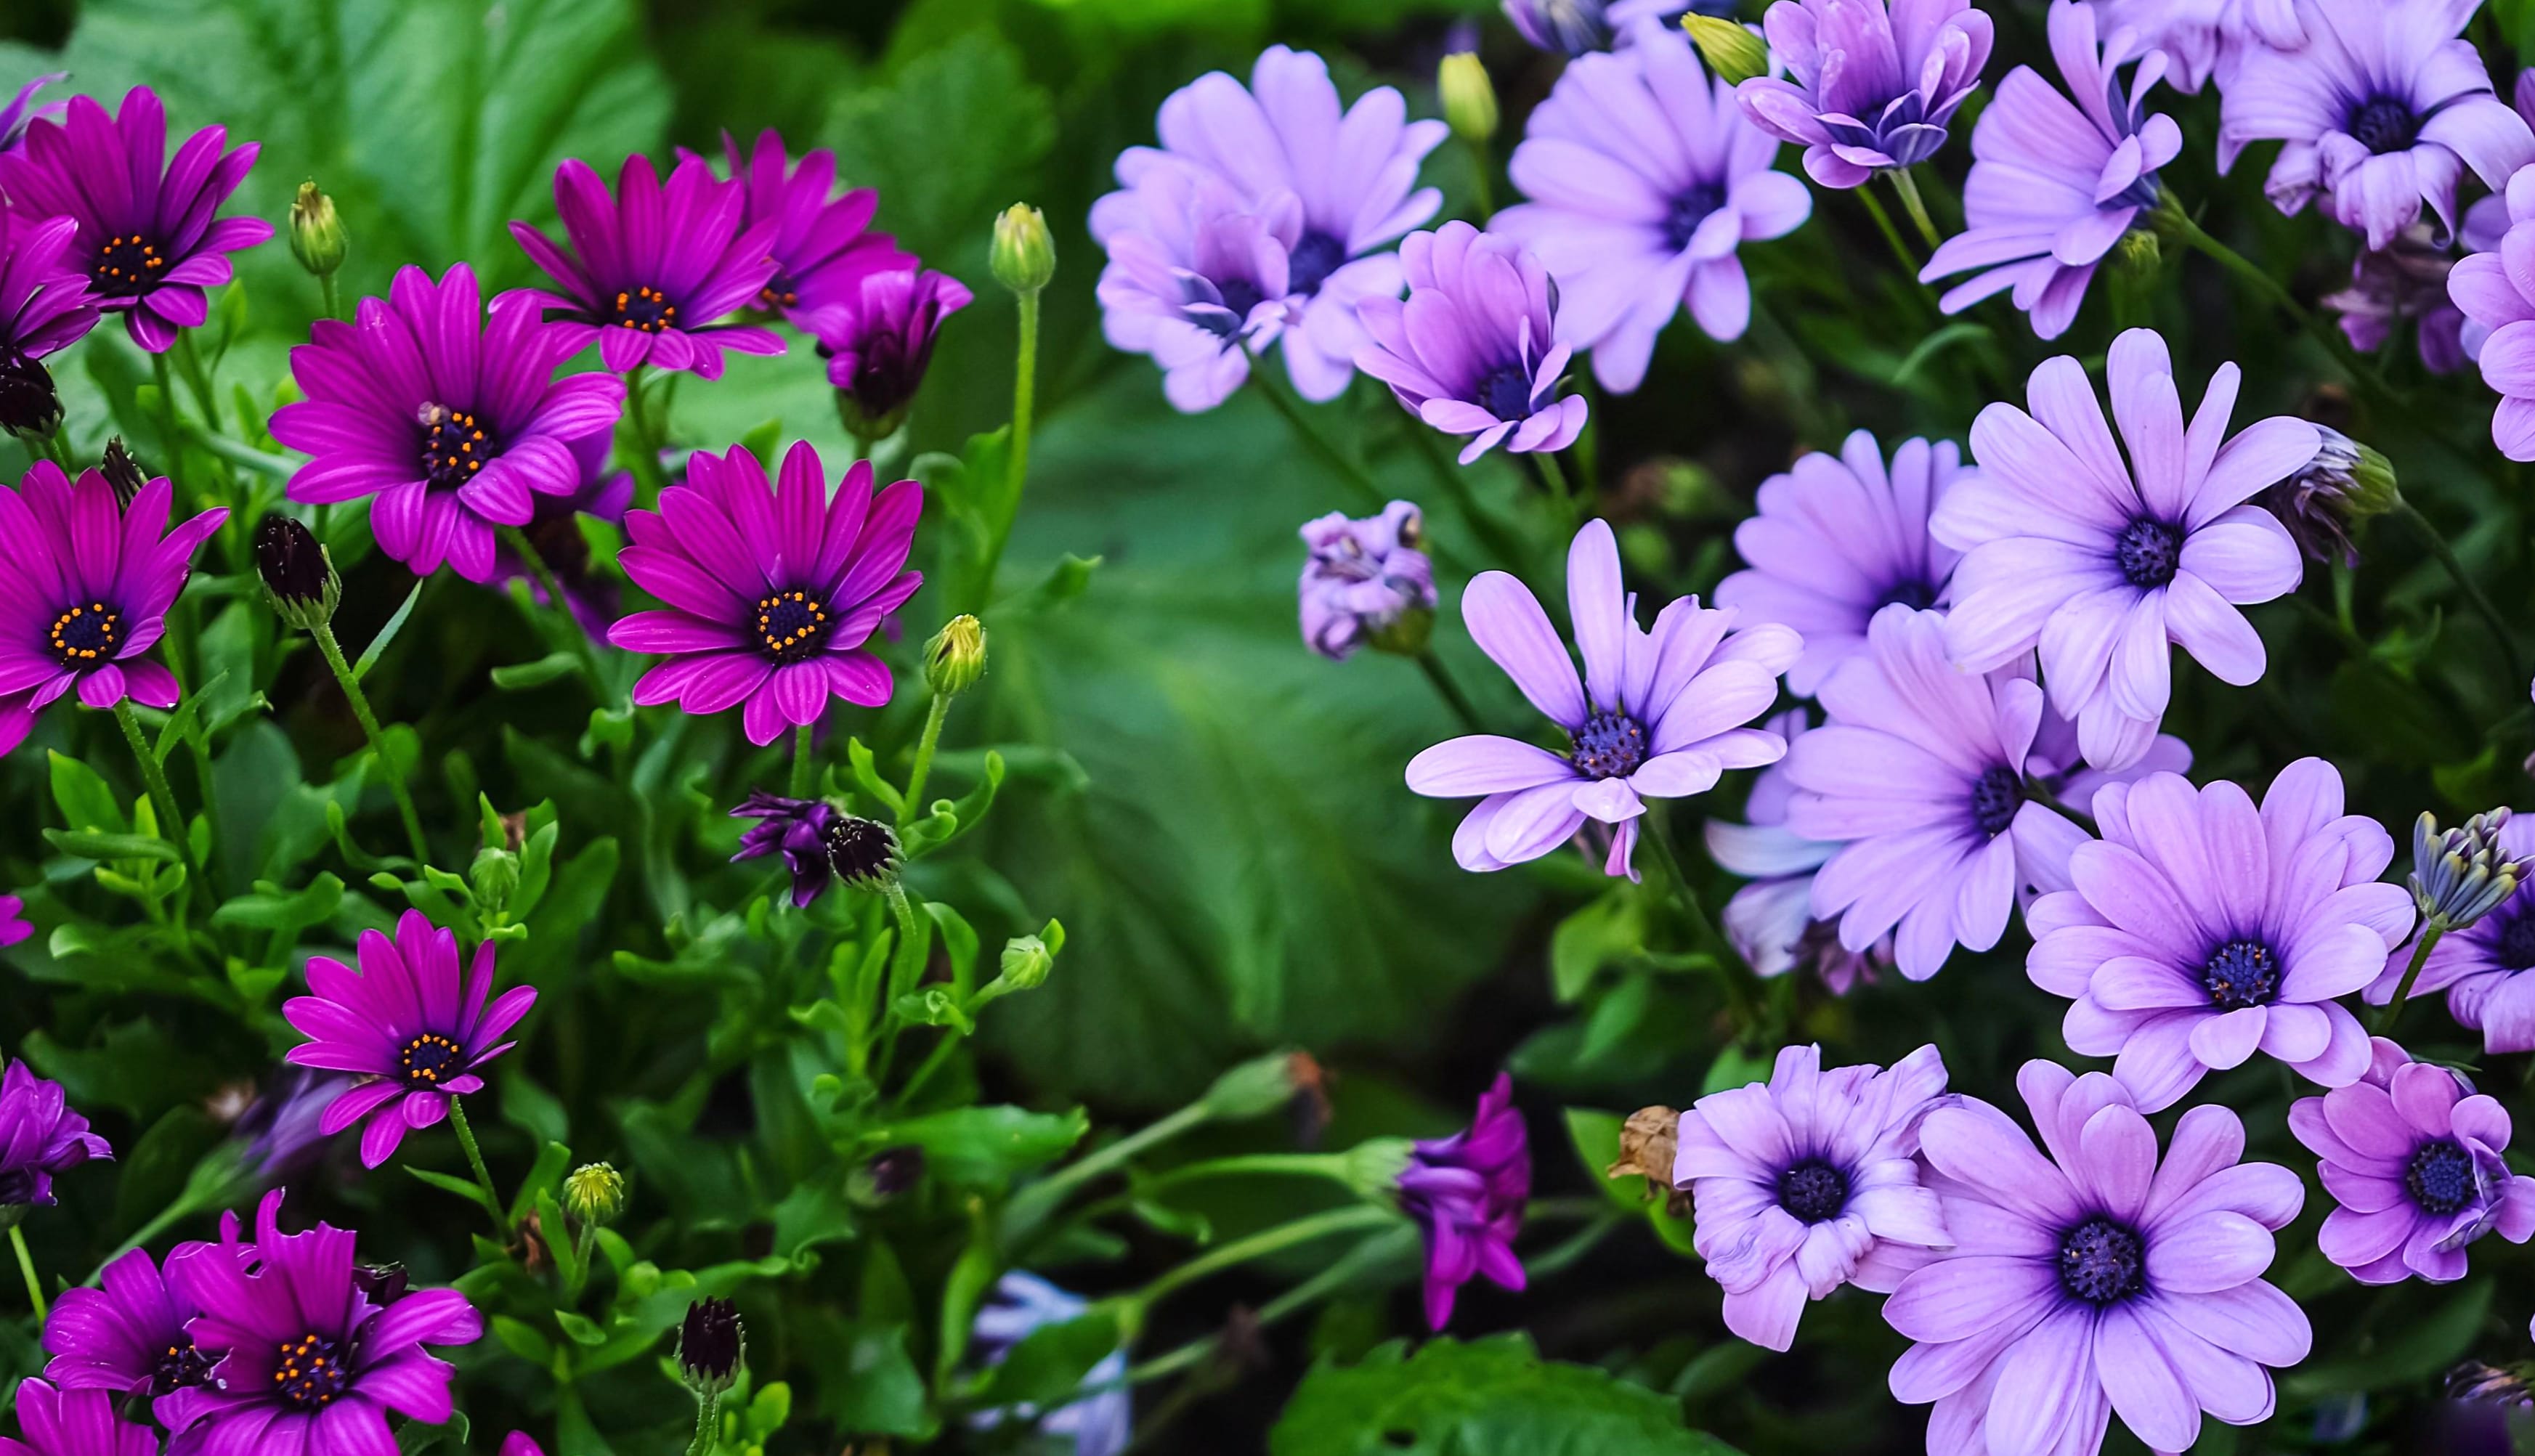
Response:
column 326, row 292
column 476, row 1160
column 171, row 437
column 707, row 1425
column 1655, row 837
column 1017, row 466
column 2170, row 215
column 1369, row 495
column 1909, row 187
column 1033, row 1204
column 556, row 601
column 2393, row 1012
column 1509, row 549
column 805, row 765
column 645, row 457
column 198, row 379
column 1451, row 692
column 923, row 768
column 2482, row 605
column 1267, row 1242
column 332, row 651
column 171, row 822
column 1891, row 234
column 1553, row 478
column 1378, row 1249
column 160, row 1223
column 1275, row 1164
column 260, row 461
column 27, row 1268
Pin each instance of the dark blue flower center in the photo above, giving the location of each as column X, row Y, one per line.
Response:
column 2441, row 1178
column 2147, row 552
column 2101, row 1263
column 1912, row 592
column 780, row 291
column 86, row 635
column 2516, row 948
column 789, row 625
column 1996, row 795
column 455, row 447
column 645, row 308
column 1316, row 257
column 430, row 1059
column 2241, row 974
column 311, row 1372
column 180, row 1367
column 1232, row 320
column 2384, row 124
column 1609, row 745
column 1812, row 1190
column 1505, row 392
column 1689, row 210
column 126, row 266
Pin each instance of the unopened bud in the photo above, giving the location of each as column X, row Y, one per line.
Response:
column 1733, row 51
column 1023, row 256
column 2139, row 255
column 122, row 471
column 2463, row 874
column 595, row 1193
column 863, row 852
column 1027, row 959
column 30, row 406
column 891, row 1173
column 2345, row 485
column 1253, row 1089
column 299, row 578
column 317, row 236
column 1469, row 98
column 955, row 657
column 712, row 1346
column 1374, row 1165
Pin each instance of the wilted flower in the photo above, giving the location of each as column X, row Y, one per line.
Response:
column 712, row 1344
column 2404, row 282
column 1867, row 90
column 74, row 1422
column 1481, row 360
column 2483, row 966
column 43, row 309
column 1467, row 1192
column 797, row 828
column 39, row 1136
column 122, row 471
column 284, row 1128
column 863, row 853
column 2414, row 1159
column 1195, row 280
column 1367, row 583
column 1568, row 28
column 822, row 246
column 879, row 343
column 2346, row 484
column 317, row 236
column 1101, row 1424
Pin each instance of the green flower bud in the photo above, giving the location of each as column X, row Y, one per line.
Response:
column 2138, row 254
column 1255, row 1088
column 1733, row 51
column 1469, row 100
column 595, row 1193
column 1374, row 1165
column 957, row 656
column 299, row 577
column 317, row 236
column 2345, row 485
column 1023, row 256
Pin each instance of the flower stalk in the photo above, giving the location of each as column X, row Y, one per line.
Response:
column 332, row 651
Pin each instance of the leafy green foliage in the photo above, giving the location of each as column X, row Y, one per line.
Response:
column 1493, row 1397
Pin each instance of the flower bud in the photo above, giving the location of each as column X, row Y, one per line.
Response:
column 317, row 236
column 712, row 1347
column 955, row 657
column 1254, row 1089
column 2461, row 875
column 595, row 1193
column 1469, row 100
column 122, row 471
column 892, row 1172
column 1027, row 961
column 2139, row 255
column 1374, row 1165
column 2322, row 504
column 30, row 406
column 1023, row 256
column 299, row 577
column 1733, row 51
column 862, row 852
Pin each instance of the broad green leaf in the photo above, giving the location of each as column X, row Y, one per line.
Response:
column 1492, row 1397
column 985, row 1145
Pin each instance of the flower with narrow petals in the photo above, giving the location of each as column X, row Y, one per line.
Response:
column 1367, row 583
column 39, row 1136
column 1467, row 1192
column 43, row 309
column 2201, row 930
column 653, row 269
column 408, row 1024
column 796, row 828
column 2100, row 562
column 149, row 242
column 822, row 246
column 1195, row 280
column 454, row 423
column 2498, row 331
column 2413, row 1158
column 879, row 343
column 1658, row 714
column 1635, row 219
column 2483, row 967
column 1101, row 1423
column 1473, row 351
column 21, row 111
column 1809, row 1182
column 1870, row 85
column 2095, row 1280
column 74, row 1422
column 126, row 1336
column 2382, row 108
column 770, row 593
column 2203, row 38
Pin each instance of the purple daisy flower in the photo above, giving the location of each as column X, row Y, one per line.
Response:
column 2412, row 1157
column 21, row 111
column 879, row 345
column 1103, row 1422
column 2406, row 284
column 1636, row 218
column 13, row 927
column 84, row 589
column 770, row 593
column 303, row 1359
column 2498, row 331
column 2055, row 184
column 1467, row 1192
column 796, row 827
column 2483, row 967
column 1473, row 351
column 1871, row 86
column 1809, row 1182
column 1195, row 280
column 39, row 1136
column 454, row 421
column 44, row 308
column 2201, row 930
column 407, row 1024
column 2382, row 109
column 283, row 1130
column 2100, row 563
column 1836, row 539
column 127, row 1336
column 1364, row 580
column 74, row 1422
column 1656, row 715
column 1770, row 919
column 2092, row 1281
column 149, row 242
column 650, row 269
column 2203, row 38
column 824, row 246
column 554, row 529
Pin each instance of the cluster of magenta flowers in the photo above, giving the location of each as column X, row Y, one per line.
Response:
column 1467, row 1192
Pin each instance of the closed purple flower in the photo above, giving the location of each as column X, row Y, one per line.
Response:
column 879, row 343
column 2413, row 1158
column 74, row 1422
column 44, row 307
column 13, row 927
column 407, row 1024
column 1809, row 1182
column 39, row 1136
column 1473, row 351
column 652, row 269
column 2484, row 967
column 1770, row 919
column 1195, row 280
column 21, row 111
column 1635, row 218
column 1366, row 582
column 2498, row 331
column 2382, row 109
column 2100, row 563
column 2201, row 930
column 2405, row 284
column 149, row 244
column 2055, row 184
column 126, row 1336
column 770, row 593
column 1658, row 714
column 2095, row 1282
column 453, row 423
column 2203, row 38
column 1870, row 85
column 824, row 246
column 554, row 530
column 795, row 829
column 1467, row 1192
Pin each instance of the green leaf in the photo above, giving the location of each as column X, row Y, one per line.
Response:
column 271, row 909
column 387, row 634
column 85, row 801
column 463, row 1187
column 522, row 1340
column 518, row 676
column 1492, row 1397
column 984, row 1146
column 867, row 1384
column 140, row 1067
column 945, row 139
column 580, row 1330
column 93, row 846
column 415, row 1438
column 2433, row 1328
column 1602, row 932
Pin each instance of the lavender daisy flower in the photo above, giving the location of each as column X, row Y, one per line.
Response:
column 39, row 1136
column 2201, row 930
column 2483, row 967
column 770, row 593
column 1870, row 86
column 44, row 308
column 1836, row 539
column 74, row 1422
column 2382, row 109
column 1807, row 1182
column 824, row 246
column 2498, row 331
column 85, row 588
column 1636, row 219
column 1194, row 279
column 1366, row 583
column 303, row 1359
column 2101, row 563
column 1770, row 921
column 13, row 927
column 1467, row 1192
column 408, row 1024
column 650, row 270
column 2412, row 1157
column 2055, row 184
column 149, row 242
column 2092, row 1281
column 554, row 530
column 127, row 1336
column 879, row 345
column 455, row 422
column 21, row 111
column 1656, row 715
column 1101, row 1424
column 796, row 827
column 2406, row 284
column 2203, row 38
column 1473, row 350
column 1567, row 28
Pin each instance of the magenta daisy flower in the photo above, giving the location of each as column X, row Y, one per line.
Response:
column 2413, row 1158
column 2100, row 563
column 1637, row 217
column 407, row 1024
column 1657, row 714
column 2483, row 967
column 1809, row 1182
column 1836, row 539
column 824, row 246
column 39, row 1136
column 454, row 423
column 795, row 829
column 2201, row 930
column 770, row 593
column 2203, row 38
column 1473, row 351
column 879, row 345
column 652, row 270
column 1467, row 1192
column 126, row 1336
column 44, row 307
column 149, row 242
column 74, row 1422
column 1870, row 86
column 21, row 111
column 2086, row 1280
